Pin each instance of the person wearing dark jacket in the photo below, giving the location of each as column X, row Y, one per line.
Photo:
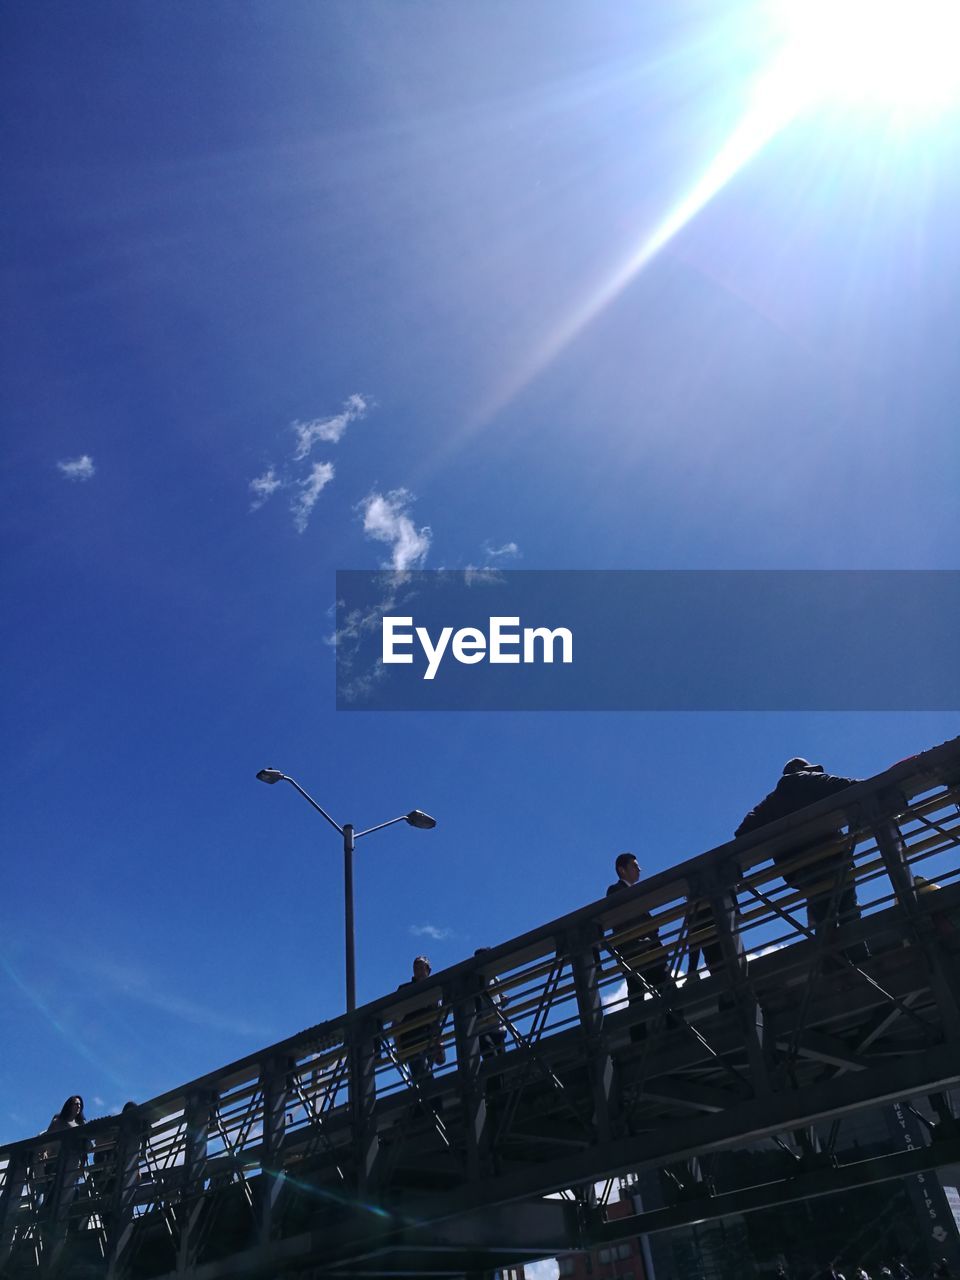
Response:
column 634, row 951
column 420, row 1047
column 803, row 784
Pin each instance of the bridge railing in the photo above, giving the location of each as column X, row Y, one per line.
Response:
column 692, row 941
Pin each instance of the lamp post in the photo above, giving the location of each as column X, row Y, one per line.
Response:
column 415, row 818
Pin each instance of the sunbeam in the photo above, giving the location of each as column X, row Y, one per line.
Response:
column 880, row 55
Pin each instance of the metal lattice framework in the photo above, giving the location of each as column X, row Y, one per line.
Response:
column 568, row 1058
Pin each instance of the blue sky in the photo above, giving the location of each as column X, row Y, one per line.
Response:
column 298, row 287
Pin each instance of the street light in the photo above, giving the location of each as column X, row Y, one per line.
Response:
column 415, row 818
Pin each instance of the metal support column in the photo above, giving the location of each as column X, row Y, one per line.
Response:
column 274, row 1085
column 362, row 1050
column 717, row 885
column 15, row 1178
column 72, row 1158
column 942, row 970
column 197, row 1116
column 581, row 947
column 119, row 1212
column 465, row 1024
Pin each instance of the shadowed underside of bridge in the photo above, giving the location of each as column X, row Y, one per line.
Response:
column 325, row 1155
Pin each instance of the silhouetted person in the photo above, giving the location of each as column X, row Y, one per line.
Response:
column 70, row 1116
column 420, row 1047
column 803, row 784
column 636, row 950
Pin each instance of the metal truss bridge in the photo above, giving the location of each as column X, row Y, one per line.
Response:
column 337, row 1153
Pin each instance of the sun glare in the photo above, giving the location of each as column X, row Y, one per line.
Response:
column 889, row 54
column 898, row 60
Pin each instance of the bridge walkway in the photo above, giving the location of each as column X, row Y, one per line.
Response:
column 330, row 1154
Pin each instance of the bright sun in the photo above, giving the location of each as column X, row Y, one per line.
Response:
column 902, row 55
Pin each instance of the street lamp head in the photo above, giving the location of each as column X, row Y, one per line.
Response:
column 270, row 775
column 423, row 821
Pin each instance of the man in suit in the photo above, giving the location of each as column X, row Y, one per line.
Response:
column 635, row 950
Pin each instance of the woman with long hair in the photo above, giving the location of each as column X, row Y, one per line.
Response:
column 70, row 1115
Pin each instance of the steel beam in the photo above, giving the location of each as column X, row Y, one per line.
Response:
column 582, row 950
column 938, row 1068
column 198, row 1114
column 473, row 1102
column 803, row 1186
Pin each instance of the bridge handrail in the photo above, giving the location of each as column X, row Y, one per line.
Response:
column 873, row 799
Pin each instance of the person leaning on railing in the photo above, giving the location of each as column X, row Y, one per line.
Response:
column 420, row 1046
column 644, row 942
column 70, row 1116
column 800, row 785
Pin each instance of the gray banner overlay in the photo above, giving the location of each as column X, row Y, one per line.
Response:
column 648, row 640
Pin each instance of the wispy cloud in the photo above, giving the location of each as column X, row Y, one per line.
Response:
column 264, row 487
column 307, row 481
column 385, row 519
column 351, row 631
column 431, row 931
column 321, row 473
column 509, row 551
column 81, row 468
column 141, row 987
column 328, row 430
column 474, row 577
column 493, row 560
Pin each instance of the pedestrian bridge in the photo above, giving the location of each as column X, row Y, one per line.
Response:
column 323, row 1155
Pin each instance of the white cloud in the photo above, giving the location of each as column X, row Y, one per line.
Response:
column 81, row 468
column 352, row 629
column 546, row 1269
column 264, row 487
column 327, row 429
column 309, row 481
column 473, row 577
column 509, row 551
column 321, row 473
column 430, row 931
column 614, row 996
column 385, row 519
